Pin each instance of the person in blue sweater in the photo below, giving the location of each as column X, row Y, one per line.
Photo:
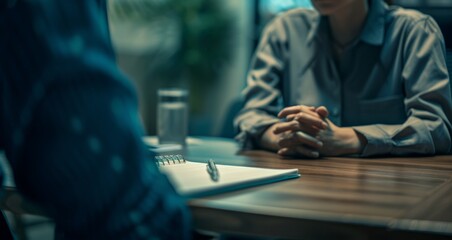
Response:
column 69, row 126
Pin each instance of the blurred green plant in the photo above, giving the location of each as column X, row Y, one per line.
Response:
column 204, row 38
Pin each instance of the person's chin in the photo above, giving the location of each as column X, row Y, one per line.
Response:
column 325, row 8
column 325, row 12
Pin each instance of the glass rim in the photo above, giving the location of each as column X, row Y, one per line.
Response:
column 172, row 92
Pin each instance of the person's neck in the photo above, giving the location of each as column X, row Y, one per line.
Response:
column 347, row 22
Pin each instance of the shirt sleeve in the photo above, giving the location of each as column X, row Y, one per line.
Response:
column 72, row 130
column 427, row 129
column 262, row 97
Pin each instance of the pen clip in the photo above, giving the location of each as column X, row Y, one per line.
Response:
column 212, row 169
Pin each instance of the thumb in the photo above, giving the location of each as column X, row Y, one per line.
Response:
column 322, row 111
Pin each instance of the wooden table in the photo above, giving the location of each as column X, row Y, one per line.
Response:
column 335, row 198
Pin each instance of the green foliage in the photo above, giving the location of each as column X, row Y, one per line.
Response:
column 204, row 29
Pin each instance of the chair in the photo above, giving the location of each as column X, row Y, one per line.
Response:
column 228, row 130
column 5, row 232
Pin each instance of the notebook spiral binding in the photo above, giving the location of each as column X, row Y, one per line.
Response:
column 163, row 160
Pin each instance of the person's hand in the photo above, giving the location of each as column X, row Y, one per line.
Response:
column 289, row 143
column 297, row 135
column 294, row 142
column 336, row 140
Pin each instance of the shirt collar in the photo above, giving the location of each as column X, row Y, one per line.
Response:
column 319, row 28
column 373, row 31
column 374, row 28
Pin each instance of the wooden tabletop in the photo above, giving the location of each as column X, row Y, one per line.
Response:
column 352, row 198
column 335, row 198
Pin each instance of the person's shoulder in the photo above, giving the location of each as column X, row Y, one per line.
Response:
column 298, row 15
column 298, row 18
column 411, row 19
column 405, row 14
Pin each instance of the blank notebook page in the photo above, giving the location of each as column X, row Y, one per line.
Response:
column 191, row 179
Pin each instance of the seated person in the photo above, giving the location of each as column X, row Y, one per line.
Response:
column 355, row 77
column 70, row 129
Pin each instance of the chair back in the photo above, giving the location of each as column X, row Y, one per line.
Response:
column 5, row 230
column 228, row 130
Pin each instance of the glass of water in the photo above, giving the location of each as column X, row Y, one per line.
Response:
column 172, row 116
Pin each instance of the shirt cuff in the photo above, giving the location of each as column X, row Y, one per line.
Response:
column 378, row 142
column 248, row 135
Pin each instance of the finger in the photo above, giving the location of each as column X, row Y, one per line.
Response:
column 322, row 111
column 298, row 151
column 307, row 119
column 307, row 152
column 291, row 117
column 296, row 109
column 294, row 126
column 286, row 152
column 307, row 139
column 286, row 126
column 310, row 130
column 299, row 138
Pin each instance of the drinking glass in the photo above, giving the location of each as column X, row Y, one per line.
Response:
column 172, row 116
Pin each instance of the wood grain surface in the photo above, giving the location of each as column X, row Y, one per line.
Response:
column 335, row 198
column 340, row 198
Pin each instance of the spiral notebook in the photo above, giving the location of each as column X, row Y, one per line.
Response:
column 191, row 179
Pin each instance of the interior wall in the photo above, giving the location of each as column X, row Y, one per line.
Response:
column 135, row 49
column 229, row 88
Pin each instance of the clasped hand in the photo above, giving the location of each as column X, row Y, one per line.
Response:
column 308, row 132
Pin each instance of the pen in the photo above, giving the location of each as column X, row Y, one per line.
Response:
column 212, row 170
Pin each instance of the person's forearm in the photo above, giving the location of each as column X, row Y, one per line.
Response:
column 352, row 142
column 269, row 140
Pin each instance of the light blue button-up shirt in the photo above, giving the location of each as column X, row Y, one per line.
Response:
column 391, row 84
